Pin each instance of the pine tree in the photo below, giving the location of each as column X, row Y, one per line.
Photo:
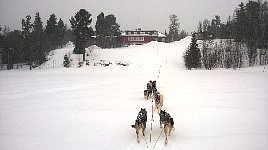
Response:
column 52, row 31
column 38, row 37
column 51, row 27
column 82, row 31
column 240, row 23
column 264, row 26
column 229, row 29
column 13, row 48
column 187, row 59
column 27, row 46
column 7, row 43
column 38, row 24
column 112, row 31
column 26, row 26
column 253, row 32
column 107, row 31
column 192, row 57
column 100, row 33
column 61, row 33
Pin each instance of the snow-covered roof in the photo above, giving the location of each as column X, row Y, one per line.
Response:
column 161, row 35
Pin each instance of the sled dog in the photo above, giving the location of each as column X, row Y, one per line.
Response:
column 140, row 123
column 145, row 94
column 159, row 98
column 168, row 122
column 149, row 90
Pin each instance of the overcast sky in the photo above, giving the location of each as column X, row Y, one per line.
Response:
column 130, row 14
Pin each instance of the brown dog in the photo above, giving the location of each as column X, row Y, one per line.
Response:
column 140, row 123
column 159, row 99
column 168, row 122
column 168, row 126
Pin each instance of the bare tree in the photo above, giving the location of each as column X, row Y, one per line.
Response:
column 174, row 28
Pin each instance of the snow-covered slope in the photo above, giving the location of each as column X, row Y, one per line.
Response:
column 93, row 107
column 149, row 55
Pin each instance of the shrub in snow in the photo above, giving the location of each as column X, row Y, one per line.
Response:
column 66, row 61
column 222, row 54
column 80, row 64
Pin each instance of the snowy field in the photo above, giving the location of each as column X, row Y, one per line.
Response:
column 93, row 107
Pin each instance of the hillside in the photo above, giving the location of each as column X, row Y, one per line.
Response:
column 94, row 106
column 151, row 55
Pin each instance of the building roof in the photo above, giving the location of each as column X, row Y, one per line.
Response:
column 140, row 32
column 161, row 35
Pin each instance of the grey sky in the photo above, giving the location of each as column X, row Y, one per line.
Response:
column 130, row 14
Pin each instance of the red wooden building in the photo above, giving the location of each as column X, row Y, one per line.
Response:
column 139, row 37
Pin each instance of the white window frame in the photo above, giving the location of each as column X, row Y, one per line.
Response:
column 136, row 38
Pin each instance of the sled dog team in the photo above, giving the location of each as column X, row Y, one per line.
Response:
column 165, row 118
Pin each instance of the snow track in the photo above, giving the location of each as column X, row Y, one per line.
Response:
column 93, row 107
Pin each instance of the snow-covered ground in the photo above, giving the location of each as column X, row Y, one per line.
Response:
column 93, row 107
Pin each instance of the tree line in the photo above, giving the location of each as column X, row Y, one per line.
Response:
column 247, row 32
column 32, row 43
column 35, row 40
column 107, row 34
